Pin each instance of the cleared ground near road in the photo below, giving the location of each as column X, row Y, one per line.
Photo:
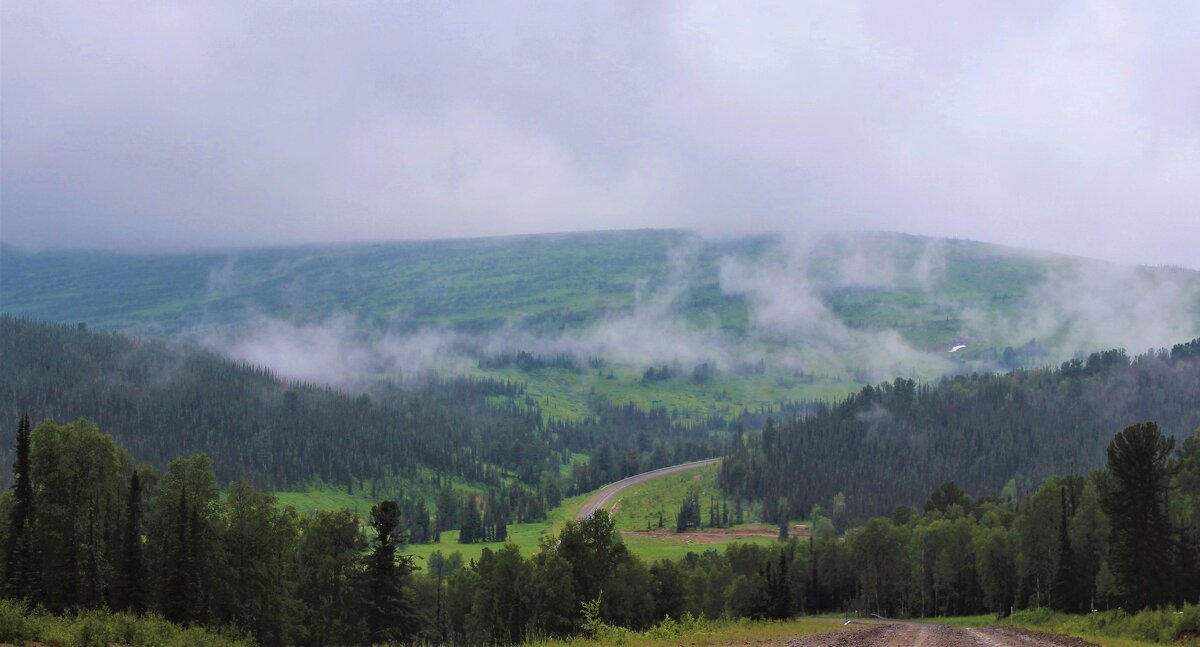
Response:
column 915, row 634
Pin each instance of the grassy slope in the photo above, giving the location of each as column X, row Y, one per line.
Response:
column 637, row 505
column 471, row 284
column 564, row 394
column 548, row 283
column 640, row 505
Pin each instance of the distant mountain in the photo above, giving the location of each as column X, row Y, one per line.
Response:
column 810, row 316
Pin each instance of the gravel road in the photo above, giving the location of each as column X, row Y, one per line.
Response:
column 914, row 634
column 612, row 489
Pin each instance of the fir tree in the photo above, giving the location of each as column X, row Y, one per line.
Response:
column 390, row 613
column 20, row 562
column 179, row 600
column 1134, row 495
column 1063, row 590
column 131, row 596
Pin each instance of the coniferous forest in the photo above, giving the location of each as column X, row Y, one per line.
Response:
column 988, row 432
column 85, row 528
column 163, row 400
column 990, row 506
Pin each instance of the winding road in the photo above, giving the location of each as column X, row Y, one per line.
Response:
column 606, row 493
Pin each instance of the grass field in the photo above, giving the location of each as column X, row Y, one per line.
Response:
column 637, row 506
column 526, row 536
column 564, row 394
column 326, row 498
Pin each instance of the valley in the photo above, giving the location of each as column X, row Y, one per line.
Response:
column 733, row 428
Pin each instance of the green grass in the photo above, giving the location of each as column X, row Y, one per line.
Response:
column 652, row 549
column 638, row 504
column 326, row 498
column 526, row 536
column 638, row 507
column 102, row 628
column 694, row 631
column 564, row 394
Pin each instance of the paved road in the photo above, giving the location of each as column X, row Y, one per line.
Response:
column 915, row 634
column 612, row 489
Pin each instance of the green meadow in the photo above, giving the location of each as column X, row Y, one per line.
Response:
column 633, row 510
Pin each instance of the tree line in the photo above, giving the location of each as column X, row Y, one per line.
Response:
column 162, row 400
column 985, row 431
column 83, row 527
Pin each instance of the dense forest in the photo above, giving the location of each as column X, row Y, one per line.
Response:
column 988, row 432
column 83, row 528
column 162, row 400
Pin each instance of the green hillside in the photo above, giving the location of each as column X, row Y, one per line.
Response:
column 734, row 323
column 548, row 282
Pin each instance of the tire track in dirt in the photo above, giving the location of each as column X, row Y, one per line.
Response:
column 916, row 634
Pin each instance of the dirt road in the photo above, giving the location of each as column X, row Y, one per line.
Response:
column 612, row 489
column 914, row 634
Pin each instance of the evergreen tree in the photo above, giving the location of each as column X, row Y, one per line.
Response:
column 130, row 582
column 1134, row 495
column 1063, row 596
column 179, row 596
column 779, row 593
column 20, row 558
column 389, row 611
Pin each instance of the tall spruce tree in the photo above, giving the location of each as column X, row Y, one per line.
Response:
column 179, row 596
column 1134, row 495
column 130, row 583
column 20, row 557
column 390, row 614
column 1064, row 590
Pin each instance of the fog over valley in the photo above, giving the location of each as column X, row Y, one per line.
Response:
column 512, row 322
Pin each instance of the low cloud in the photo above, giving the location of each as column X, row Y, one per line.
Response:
column 1079, row 307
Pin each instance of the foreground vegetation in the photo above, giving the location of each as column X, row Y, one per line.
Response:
column 19, row 625
column 691, row 630
column 87, row 530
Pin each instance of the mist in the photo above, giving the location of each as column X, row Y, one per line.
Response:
column 155, row 127
column 1077, row 307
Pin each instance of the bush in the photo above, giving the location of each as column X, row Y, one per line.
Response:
column 102, row 628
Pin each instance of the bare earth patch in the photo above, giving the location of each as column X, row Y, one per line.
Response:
column 914, row 634
column 715, row 535
column 707, row 536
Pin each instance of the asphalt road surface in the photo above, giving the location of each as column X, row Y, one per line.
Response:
column 601, row 498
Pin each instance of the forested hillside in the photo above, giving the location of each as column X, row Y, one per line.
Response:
column 921, row 287
column 749, row 322
column 163, row 400
column 891, row 444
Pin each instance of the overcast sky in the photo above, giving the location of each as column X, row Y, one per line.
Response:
column 1072, row 127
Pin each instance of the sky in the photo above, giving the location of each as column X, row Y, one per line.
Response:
column 1072, row 127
